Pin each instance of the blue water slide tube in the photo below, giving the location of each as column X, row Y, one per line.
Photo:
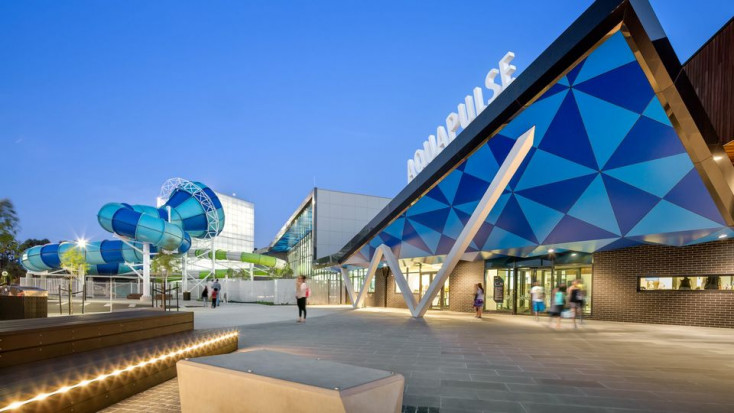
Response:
column 192, row 209
column 102, row 256
column 187, row 213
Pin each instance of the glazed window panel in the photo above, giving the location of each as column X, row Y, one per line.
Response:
column 414, row 280
column 686, row 283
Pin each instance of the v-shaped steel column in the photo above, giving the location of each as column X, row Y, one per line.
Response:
column 507, row 170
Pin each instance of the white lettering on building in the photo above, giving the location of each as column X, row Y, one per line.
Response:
column 466, row 112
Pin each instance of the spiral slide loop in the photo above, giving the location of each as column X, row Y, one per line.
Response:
column 192, row 209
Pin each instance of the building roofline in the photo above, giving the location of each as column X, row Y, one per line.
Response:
column 710, row 39
column 596, row 22
column 290, row 220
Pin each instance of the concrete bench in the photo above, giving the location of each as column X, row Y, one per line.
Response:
column 270, row 381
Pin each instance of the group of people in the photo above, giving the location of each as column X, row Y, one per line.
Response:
column 214, row 293
column 564, row 302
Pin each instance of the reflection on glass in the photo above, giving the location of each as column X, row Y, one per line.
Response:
column 683, row 283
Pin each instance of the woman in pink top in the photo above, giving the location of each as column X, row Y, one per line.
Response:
column 302, row 293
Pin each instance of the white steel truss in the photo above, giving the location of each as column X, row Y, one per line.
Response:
column 507, row 170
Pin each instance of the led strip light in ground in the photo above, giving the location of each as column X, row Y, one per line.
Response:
column 101, row 377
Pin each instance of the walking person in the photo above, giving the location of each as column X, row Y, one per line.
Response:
column 575, row 300
column 302, row 294
column 537, row 296
column 205, row 296
column 478, row 299
column 558, row 304
column 215, row 295
column 218, row 288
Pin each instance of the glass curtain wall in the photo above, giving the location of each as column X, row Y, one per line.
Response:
column 300, row 257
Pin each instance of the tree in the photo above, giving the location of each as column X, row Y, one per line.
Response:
column 8, row 229
column 166, row 264
column 285, row 272
column 74, row 262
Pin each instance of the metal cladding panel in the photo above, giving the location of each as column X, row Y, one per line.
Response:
column 608, row 168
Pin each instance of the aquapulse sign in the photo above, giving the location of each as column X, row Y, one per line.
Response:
column 466, row 112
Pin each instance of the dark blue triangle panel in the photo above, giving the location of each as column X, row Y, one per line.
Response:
column 607, row 170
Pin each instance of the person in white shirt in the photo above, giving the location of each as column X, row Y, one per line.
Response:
column 537, row 295
column 302, row 293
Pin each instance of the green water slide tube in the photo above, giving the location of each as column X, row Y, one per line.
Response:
column 223, row 273
column 248, row 257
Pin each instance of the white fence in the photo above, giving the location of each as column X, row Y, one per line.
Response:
column 246, row 291
column 95, row 289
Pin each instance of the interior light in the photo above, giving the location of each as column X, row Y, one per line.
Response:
column 574, row 254
column 718, row 157
column 551, row 250
column 722, row 236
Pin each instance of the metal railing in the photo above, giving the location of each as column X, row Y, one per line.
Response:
column 70, row 294
column 166, row 295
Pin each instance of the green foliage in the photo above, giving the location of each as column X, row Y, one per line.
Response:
column 285, row 272
column 74, row 262
column 165, row 265
column 9, row 248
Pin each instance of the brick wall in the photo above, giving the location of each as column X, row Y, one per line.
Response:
column 461, row 285
column 615, row 296
column 461, row 288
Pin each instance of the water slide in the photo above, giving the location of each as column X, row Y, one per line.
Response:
column 191, row 209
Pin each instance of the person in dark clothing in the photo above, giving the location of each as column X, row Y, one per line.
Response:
column 205, row 296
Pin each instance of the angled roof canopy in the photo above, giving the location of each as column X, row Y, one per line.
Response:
column 624, row 154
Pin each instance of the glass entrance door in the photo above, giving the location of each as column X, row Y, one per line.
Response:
column 441, row 301
column 524, row 283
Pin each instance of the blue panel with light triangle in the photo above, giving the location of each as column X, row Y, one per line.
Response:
column 607, row 170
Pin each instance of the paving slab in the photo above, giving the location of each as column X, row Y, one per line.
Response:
column 453, row 362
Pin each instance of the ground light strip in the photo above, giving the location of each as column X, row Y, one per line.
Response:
column 102, row 377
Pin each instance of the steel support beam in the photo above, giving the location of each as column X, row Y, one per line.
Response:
column 507, row 170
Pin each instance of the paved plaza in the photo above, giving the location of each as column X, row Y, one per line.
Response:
column 453, row 362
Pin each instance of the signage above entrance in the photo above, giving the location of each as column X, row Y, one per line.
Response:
column 466, row 112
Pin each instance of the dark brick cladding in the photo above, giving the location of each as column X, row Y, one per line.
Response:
column 461, row 288
column 615, row 296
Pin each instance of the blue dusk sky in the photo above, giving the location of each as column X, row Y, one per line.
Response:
column 102, row 101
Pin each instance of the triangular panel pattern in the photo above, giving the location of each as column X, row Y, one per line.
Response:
column 607, row 171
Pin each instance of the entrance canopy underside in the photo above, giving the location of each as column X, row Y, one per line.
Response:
column 620, row 158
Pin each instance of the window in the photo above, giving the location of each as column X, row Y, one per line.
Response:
column 413, row 280
column 685, row 283
column 358, row 276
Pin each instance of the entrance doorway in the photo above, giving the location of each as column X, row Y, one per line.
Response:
column 441, row 301
column 518, row 282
